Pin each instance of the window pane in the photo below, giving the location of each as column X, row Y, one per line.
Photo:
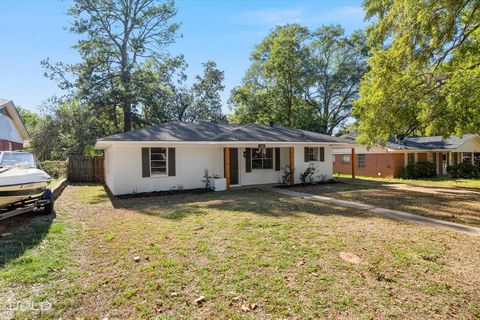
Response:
column 158, row 164
column 256, row 153
column 313, row 154
column 159, row 170
column 158, row 150
column 346, row 158
column 269, row 153
column 159, row 156
column 268, row 164
column 256, row 163
column 361, row 160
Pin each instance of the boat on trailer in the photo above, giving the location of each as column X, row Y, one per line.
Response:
column 22, row 185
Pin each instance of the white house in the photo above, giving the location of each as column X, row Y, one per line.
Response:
column 13, row 134
column 175, row 155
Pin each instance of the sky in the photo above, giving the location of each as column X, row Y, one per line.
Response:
column 223, row 31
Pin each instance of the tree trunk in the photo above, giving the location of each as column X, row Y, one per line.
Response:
column 127, row 118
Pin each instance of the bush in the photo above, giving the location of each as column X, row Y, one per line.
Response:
column 308, row 176
column 464, row 170
column 421, row 169
column 55, row 169
column 285, row 179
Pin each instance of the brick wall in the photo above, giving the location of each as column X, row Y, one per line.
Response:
column 422, row 157
column 389, row 165
column 4, row 145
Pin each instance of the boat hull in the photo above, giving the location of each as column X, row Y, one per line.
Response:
column 19, row 184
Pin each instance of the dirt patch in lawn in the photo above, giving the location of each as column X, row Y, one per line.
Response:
column 255, row 254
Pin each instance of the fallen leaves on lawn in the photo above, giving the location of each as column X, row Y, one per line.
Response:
column 248, row 307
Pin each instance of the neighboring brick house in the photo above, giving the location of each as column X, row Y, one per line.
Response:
column 389, row 161
column 13, row 134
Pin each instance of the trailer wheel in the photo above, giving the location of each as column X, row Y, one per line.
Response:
column 48, row 208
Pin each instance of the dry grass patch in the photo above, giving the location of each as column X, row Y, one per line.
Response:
column 455, row 207
column 154, row 257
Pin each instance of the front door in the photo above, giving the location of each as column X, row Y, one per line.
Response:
column 233, row 165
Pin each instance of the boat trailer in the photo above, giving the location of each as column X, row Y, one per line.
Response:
column 44, row 204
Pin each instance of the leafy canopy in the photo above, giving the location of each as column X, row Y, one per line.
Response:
column 302, row 79
column 424, row 73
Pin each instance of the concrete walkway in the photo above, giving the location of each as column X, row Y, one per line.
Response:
column 394, row 214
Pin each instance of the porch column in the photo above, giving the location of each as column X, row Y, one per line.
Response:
column 292, row 165
column 227, row 166
column 440, row 163
column 473, row 160
column 353, row 163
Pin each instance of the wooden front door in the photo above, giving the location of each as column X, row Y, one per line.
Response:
column 233, row 165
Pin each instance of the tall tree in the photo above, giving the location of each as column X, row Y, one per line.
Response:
column 336, row 65
column 118, row 37
column 205, row 103
column 273, row 86
column 424, row 73
column 302, row 79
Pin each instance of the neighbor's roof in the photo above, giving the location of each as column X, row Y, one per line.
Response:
column 430, row 143
column 7, row 107
column 216, row 132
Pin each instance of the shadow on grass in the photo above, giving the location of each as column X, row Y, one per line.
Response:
column 460, row 208
column 388, row 183
column 21, row 233
column 256, row 201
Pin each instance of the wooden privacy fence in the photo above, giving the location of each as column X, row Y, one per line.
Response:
column 86, row 169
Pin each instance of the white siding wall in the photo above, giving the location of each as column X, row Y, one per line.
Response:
column 8, row 130
column 323, row 168
column 191, row 161
column 109, row 168
column 123, row 167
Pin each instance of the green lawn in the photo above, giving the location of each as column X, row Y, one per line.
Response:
column 438, row 182
column 153, row 257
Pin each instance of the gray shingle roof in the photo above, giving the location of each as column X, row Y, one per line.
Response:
column 429, row 143
column 211, row 132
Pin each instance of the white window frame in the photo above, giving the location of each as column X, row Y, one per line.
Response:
column 349, row 158
column 156, row 174
column 262, row 168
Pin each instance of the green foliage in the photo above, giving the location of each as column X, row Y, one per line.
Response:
column 65, row 127
column 464, row 170
column 125, row 75
column 286, row 172
column 308, row 176
column 302, row 79
column 421, row 169
column 55, row 169
column 207, row 180
column 424, row 73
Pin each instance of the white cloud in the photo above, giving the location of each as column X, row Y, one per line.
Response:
column 274, row 16
column 270, row 17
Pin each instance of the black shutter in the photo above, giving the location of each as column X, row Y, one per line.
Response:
column 322, row 154
column 145, row 162
column 306, row 154
column 171, row 161
column 248, row 159
column 277, row 159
